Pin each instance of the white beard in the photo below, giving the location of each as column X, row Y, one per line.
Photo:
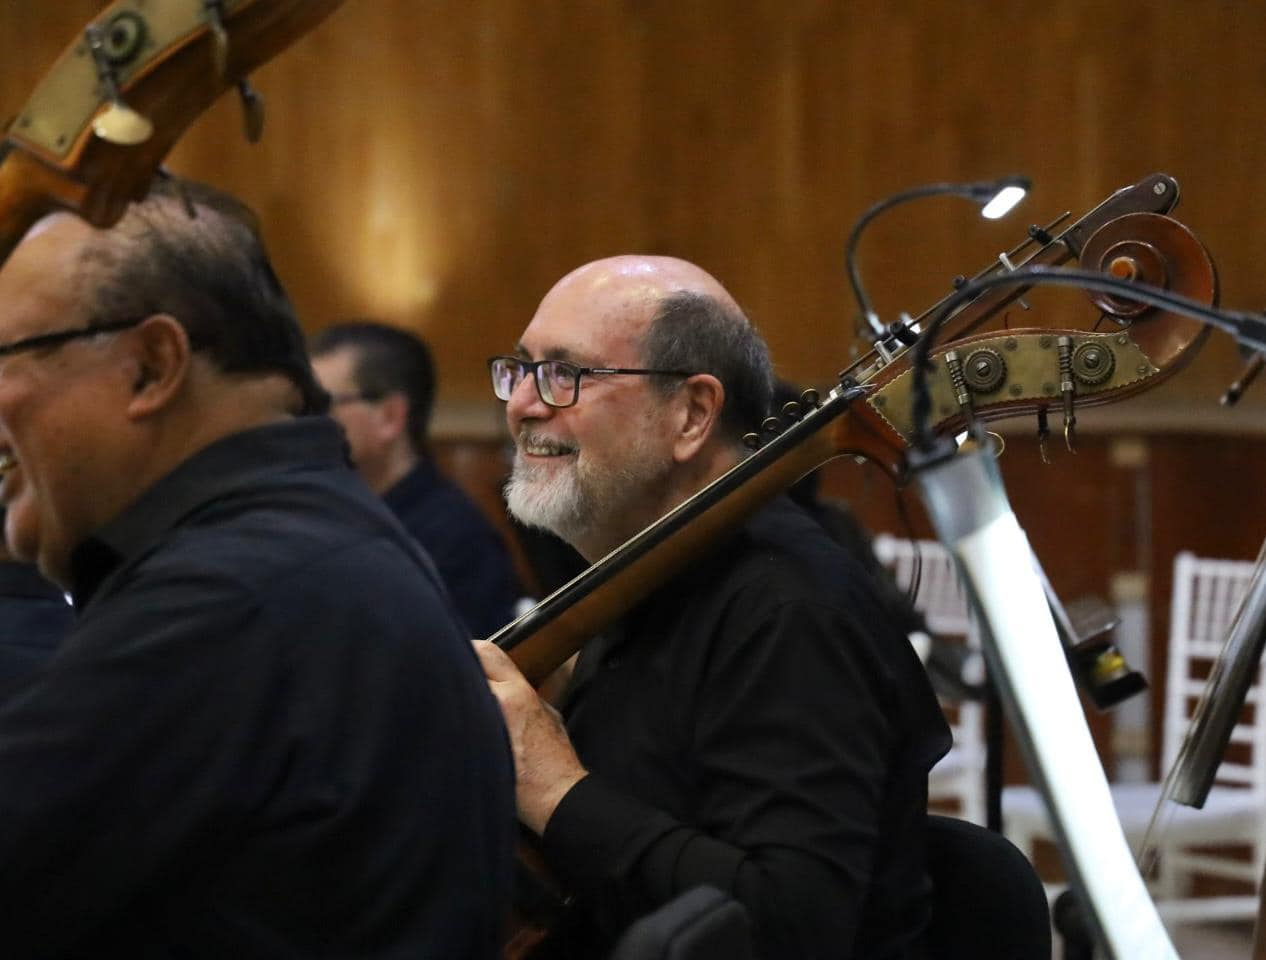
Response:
column 573, row 500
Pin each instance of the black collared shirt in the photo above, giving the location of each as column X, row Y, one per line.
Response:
column 756, row 726
column 470, row 555
column 265, row 736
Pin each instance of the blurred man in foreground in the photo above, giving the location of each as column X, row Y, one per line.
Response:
column 34, row 618
column 245, row 745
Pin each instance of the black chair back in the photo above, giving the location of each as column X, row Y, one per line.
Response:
column 987, row 901
column 701, row 924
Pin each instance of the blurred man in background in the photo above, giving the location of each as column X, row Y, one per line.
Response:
column 382, row 387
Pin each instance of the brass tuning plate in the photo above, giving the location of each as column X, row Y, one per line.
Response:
column 1025, row 373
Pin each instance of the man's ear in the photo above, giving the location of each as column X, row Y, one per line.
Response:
column 392, row 415
column 697, row 410
column 160, row 355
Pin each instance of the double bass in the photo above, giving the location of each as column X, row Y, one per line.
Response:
column 976, row 375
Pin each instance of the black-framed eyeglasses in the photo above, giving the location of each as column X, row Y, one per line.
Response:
column 557, row 381
column 42, row 341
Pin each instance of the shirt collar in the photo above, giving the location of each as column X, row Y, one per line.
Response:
column 227, row 465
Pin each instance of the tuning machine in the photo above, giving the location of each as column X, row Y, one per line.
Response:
column 1252, row 367
column 252, row 111
column 789, row 414
column 1007, row 265
column 115, row 44
column 252, row 102
column 219, row 36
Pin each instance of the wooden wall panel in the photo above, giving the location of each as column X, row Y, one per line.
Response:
column 439, row 163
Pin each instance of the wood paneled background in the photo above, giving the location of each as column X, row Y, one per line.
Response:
column 440, row 163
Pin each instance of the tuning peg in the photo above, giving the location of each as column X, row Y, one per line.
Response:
column 751, row 441
column 1010, row 268
column 118, row 123
column 962, row 393
column 1247, row 376
column 1040, row 234
column 252, row 111
column 771, row 425
column 1067, row 389
column 810, row 399
column 219, row 37
column 122, row 125
column 1043, row 434
column 791, row 411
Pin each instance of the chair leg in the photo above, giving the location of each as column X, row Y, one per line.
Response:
column 1071, row 923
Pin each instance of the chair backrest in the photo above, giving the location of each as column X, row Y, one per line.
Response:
column 940, row 597
column 701, row 924
column 1205, row 597
column 987, row 901
column 944, row 606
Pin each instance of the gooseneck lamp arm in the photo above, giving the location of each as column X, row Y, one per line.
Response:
column 997, row 196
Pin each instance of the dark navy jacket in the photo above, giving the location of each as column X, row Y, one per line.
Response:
column 469, row 553
column 34, row 617
column 264, row 737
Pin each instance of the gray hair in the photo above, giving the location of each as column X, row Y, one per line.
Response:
column 195, row 253
column 697, row 332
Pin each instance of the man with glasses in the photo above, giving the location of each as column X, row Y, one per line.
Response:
column 382, row 387
column 245, row 746
column 754, row 725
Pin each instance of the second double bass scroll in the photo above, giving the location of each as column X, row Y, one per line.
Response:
column 92, row 135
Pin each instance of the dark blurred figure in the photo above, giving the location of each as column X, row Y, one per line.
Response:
column 265, row 734
column 34, row 617
column 382, row 388
column 947, row 662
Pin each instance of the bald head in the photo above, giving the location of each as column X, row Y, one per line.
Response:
column 671, row 376
column 631, row 286
column 675, row 316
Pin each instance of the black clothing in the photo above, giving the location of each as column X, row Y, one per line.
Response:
column 265, row 736
column 758, row 727
column 34, row 617
column 553, row 561
column 469, row 553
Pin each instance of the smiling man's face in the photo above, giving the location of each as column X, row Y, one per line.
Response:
column 591, row 472
column 57, row 415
